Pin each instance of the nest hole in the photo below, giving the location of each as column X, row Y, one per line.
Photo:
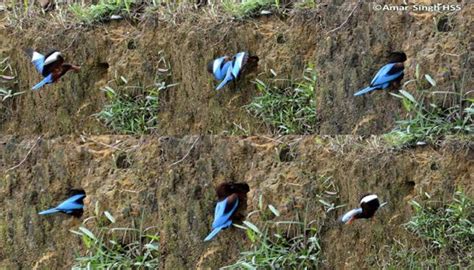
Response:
column 444, row 24
column 123, row 161
column 286, row 154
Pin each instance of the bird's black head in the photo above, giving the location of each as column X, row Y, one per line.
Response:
column 397, row 57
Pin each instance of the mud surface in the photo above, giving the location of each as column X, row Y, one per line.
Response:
column 172, row 181
column 50, row 142
column 345, row 60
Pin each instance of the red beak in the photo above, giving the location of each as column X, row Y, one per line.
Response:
column 351, row 220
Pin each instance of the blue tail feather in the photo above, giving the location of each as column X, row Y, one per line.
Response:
column 45, row 81
column 49, row 211
column 213, row 233
column 227, row 79
column 365, row 90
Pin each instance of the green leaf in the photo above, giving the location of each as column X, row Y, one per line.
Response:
column 87, row 233
column 408, row 96
column 274, row 210
column 247, row 265
column 109, row 216
column 430, row 80
column 251, row 226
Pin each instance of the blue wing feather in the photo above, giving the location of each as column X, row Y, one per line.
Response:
column 237, row 65
column 67, row 206
column 219, row 73
column 38, row 61
column 382, row 79
column 383, row 76
column 221, row 218
column 71, row 203
column 70, row 206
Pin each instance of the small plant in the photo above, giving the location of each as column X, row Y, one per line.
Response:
column 279, row 244
column 8, row 93
column 137, row 113
column 130, row 114
column 289, row 110
column 449, row 227
column 101, row 11
column 426, row 119
column 248, row 8
column 110, row 247
column 306, row 4
column 7, row 86
column 446, row 231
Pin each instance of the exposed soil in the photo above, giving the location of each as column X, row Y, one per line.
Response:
column 171, row 176
column 178, row 196
column 345, row 61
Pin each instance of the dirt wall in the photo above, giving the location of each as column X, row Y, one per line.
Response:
column 172, row 180
column 345, row 60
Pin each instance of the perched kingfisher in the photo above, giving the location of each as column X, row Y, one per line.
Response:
column 51, row 66
column 74, row 205
column 369, row 204
column 388, row 74
column 232, row 198
column 225, row 69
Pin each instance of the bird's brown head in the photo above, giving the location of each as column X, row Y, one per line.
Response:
column 226, row 189
column 397, row 57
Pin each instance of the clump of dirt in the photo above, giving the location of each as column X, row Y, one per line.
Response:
column 173, row 180
column 345, row 60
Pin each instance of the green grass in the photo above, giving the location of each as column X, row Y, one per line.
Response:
column 427, row 118
column 447, row 227
column 8, row 88
column 288, row 109
column 306, row 4
column 134, row 109
column 109, row 247
column 8, row 93
column 440, row 236
column 279, row 244
column 129, row 114
column 248, row 8
column 101, row 11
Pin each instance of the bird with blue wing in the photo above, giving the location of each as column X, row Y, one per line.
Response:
column 388, row 74
column 226, row 70
column 232, row 199
column 74, row 205
column 218, row 67
column 51, row 66
column 369, row 204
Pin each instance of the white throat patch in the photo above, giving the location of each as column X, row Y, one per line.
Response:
column 52, row 58
column 368, row 198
